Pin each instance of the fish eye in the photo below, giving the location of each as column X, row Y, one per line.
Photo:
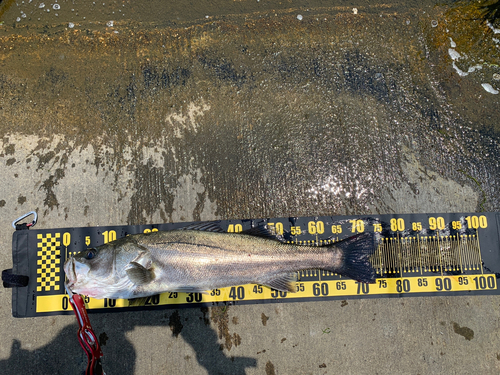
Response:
column 91, row 253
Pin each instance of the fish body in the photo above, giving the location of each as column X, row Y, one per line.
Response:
column 197, row 260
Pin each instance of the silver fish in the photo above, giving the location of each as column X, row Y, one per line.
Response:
column 202, row 257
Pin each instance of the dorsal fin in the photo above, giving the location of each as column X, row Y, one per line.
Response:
column 265, row 232
column 259, row 231
column 207, row 226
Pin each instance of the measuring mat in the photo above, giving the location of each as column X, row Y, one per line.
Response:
column 416, row 255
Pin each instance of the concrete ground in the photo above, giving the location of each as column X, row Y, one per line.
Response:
column 145, row 112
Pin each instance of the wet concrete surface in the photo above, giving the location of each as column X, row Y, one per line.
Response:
column 166, row 115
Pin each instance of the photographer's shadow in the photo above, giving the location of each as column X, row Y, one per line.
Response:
column 63, row 355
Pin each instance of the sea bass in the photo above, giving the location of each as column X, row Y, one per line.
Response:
column 202, row 257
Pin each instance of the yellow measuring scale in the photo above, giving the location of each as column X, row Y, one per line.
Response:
column 416, row 254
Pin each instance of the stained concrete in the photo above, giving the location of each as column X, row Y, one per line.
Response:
column 166, row 115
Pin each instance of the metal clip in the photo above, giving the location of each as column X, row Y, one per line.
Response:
column 32, row 224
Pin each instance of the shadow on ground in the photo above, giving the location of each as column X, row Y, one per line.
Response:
column 63, row 355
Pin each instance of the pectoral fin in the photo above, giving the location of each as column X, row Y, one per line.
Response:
column 144, row 259
column 139, row 274
column 137, row 301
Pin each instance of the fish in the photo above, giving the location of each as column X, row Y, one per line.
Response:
column 202, row 257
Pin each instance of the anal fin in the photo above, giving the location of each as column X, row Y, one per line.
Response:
column 285, row 283
column 188, row 289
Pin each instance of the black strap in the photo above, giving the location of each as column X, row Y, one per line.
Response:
column 10, row 280
column 22, row 226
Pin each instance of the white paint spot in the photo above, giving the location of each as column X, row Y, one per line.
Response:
column 453, row 54
column 182, row 121
column 471, row 69
column 495, row 31
column 489, row 88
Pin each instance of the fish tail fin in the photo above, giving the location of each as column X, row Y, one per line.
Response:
column 356, row 252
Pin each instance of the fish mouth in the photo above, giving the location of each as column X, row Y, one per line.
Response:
column 69, row 270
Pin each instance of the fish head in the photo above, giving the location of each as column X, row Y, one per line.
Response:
column 92, row 272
